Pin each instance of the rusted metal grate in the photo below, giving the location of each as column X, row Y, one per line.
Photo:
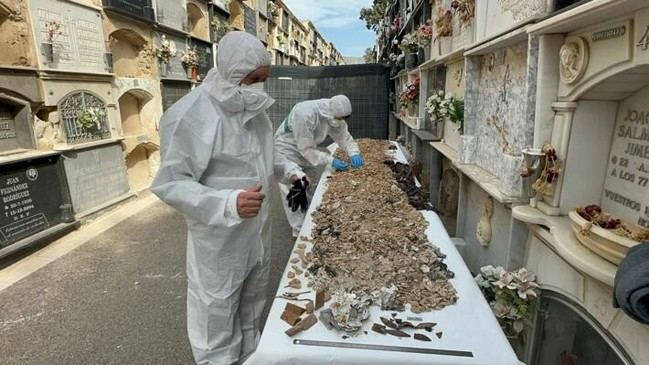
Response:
column 71, row 108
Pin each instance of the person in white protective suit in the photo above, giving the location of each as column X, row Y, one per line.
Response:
column 298, row 155
column 217, row 164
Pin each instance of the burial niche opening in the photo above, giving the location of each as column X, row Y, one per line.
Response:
column 15, row 124
column 131, row 106
column 125, row 46
column 196, row 21
column 140, row 173
column 566, row 334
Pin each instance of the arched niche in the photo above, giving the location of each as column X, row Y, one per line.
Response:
column 125, row 45
column 237, row 14
column 72, row 107
column 567, row 333
column 197, row 21
column 131, row 108
column 448, row 196
column 139, row 167
column 15, row 124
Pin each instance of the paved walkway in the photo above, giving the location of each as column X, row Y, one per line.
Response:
column 117, row 299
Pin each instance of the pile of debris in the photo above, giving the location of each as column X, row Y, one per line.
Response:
column 370, row 246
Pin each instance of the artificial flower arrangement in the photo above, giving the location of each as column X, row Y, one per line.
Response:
column 511, row 295
column 221, row 26
column 396, row 24
column 409, row 43
column 544, row 185
column 90, row 118
column 52, row 30
column 273, row 9
column 425, row 35
column 410, row 93
column 465, row 9
column 166, row 51
column 189, row 57
column 443, row 105
column 443, row 23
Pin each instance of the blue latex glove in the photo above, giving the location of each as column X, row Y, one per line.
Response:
column 357, row 161
column 339, row 165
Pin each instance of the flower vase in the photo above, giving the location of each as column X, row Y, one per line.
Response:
column 412, row 110
column 467, row 149
column 468, row 34
column 48, row 51
column 163, row 69
column 194, row 73
column 411, row 61
column 444, row 45
column 511, row 183
column 189, row 72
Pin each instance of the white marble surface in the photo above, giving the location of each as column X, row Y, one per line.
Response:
column 459, row 322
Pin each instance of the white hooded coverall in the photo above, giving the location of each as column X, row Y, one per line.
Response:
column 297, row 142
column 216, row 141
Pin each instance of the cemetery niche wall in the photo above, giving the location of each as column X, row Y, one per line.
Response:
column 600, row 133
column 34, row 202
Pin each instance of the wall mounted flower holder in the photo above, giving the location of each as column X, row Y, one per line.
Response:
column 108, row 60
column 48, row 51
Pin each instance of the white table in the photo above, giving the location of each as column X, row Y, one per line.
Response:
column 467, row 326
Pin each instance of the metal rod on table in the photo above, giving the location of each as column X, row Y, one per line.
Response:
column 361, row 346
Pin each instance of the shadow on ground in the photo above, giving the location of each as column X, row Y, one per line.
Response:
column 118, row 299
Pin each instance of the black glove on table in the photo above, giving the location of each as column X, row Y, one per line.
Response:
column 297, row 197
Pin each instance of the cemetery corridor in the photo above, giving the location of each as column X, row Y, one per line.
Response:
column 117, row 299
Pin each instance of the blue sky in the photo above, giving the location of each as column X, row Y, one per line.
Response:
column 338, row 22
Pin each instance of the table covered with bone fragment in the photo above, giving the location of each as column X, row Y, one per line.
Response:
column 431, row 316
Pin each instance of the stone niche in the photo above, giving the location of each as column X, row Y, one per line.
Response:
column 172, row 14
column 499, row 110
column 96, row 177
column 19, row 97
column 15, row 125
column 579, row 319
column 454, row 85
column 69, row 36
column 139, row 111
column 16, row 34
column 601, row 124
column 448, row 196
column 174, row 69
column 131, row 47
column 198, row 23
column 64, row 100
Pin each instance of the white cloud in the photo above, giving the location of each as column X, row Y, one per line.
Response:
column 328, row 13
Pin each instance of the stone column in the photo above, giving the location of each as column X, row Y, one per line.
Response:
column 563, row 116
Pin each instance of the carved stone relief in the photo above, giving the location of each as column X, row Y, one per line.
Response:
column 523, row 9
column 483, row 231
column 574, row 56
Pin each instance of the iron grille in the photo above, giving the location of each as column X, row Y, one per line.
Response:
column 72, row 107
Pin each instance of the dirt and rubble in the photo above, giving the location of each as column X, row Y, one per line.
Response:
column 370, row 242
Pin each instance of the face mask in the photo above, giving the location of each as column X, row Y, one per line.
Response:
column 335, row 123
column 257, row 87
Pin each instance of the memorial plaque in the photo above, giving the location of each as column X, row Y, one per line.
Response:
column 8, row 137
column 250, row 21
column 205, row 60
column 31, row 195
column 626, row 190
column 96, row 176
